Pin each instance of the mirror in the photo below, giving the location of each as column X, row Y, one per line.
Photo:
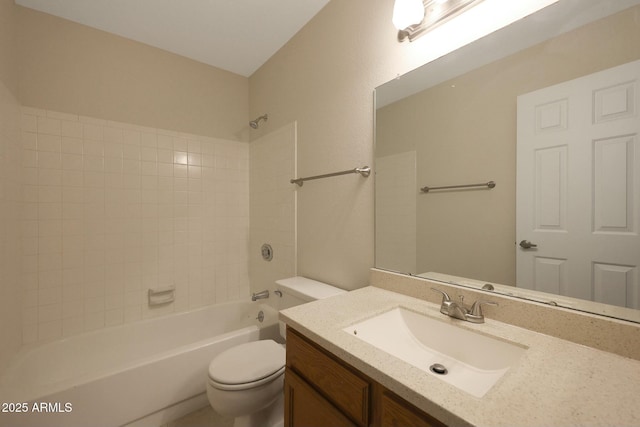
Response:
column 547, row 108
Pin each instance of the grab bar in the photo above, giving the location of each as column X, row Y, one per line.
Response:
column 364, row 171
column 490, row 184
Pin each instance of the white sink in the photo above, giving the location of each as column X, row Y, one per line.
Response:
column 474, row 362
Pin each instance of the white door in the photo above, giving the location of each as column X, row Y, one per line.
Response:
column 578, row 188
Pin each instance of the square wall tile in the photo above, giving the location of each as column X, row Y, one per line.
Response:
column 112, row 209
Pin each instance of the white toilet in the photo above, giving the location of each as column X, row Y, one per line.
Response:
column 246, row 381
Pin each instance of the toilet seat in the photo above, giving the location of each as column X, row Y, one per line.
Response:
column 247, row 365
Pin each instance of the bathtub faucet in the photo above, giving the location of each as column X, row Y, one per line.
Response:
column 259, row 295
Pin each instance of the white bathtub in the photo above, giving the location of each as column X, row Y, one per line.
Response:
column 142, row 373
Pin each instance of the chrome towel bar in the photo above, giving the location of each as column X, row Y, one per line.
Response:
column 364, row 171
column 489, row 184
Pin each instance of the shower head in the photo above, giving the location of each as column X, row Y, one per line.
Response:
column 254, row 123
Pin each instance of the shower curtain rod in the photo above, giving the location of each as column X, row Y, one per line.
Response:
column 364, row 171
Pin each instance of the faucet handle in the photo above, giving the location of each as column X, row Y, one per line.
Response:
column 475, row 314
column 445, row 296
column 446, row 301
column 476, row 308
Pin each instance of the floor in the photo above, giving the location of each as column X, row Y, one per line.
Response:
column 204, row 417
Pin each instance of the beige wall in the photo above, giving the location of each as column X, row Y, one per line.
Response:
column 68, row 67
column 10, row 226
column 321, row 80
column 8, row 58
column 396, row 225
column 11, row 193
column 272, row 160
column 471, row 233
column 324, row 79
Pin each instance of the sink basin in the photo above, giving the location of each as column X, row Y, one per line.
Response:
column 474, row 362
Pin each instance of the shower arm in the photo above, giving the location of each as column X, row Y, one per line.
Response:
column 255, row 123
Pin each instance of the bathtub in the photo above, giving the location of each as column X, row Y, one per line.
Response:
column 138, row 374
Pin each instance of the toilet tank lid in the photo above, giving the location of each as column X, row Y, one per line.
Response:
column 308, row 289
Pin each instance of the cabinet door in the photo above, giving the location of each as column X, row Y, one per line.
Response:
column 395, row 412
column 304, row 407
column 342, row 385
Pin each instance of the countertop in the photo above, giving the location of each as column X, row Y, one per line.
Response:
column 555, row 383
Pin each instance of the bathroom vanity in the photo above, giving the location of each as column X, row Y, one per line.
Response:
column 322, row 390
column 334, row 377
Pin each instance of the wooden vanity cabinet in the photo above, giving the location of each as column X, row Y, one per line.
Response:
column 396, row 412
column 321, row 390
column 306, row 407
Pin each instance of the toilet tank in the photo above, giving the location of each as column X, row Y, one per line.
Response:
column 300, row 290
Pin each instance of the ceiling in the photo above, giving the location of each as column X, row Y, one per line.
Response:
column 235, row 35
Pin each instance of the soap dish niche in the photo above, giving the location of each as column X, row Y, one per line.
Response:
column 161, row 295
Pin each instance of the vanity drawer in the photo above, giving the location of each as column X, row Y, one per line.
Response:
column 335, row 381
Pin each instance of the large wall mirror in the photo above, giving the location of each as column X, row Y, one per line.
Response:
column 548, row 109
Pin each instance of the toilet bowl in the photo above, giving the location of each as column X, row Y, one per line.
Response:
column 246, row 381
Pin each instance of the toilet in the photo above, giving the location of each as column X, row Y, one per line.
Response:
column 246, row 381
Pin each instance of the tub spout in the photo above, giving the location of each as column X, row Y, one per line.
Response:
column 259, row 295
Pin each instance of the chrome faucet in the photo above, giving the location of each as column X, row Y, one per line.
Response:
column 459, row 311
column 259, row 295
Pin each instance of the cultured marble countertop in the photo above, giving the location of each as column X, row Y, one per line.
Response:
column 555, row 383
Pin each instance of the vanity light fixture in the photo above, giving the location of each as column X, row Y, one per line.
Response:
column 413, row 17
column 407, row 13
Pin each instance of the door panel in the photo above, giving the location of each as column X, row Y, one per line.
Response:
column 615, row 284
column 613, row 184
column 551, row 188
column 550, row 275
column 578, row 187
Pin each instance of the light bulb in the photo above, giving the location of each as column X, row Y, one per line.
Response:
column 407, row 13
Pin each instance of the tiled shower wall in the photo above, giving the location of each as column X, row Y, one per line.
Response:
column 113, row 209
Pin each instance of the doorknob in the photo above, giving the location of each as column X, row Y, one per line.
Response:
column 525, row 244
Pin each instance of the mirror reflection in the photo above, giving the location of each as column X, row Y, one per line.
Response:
column 547, row 108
